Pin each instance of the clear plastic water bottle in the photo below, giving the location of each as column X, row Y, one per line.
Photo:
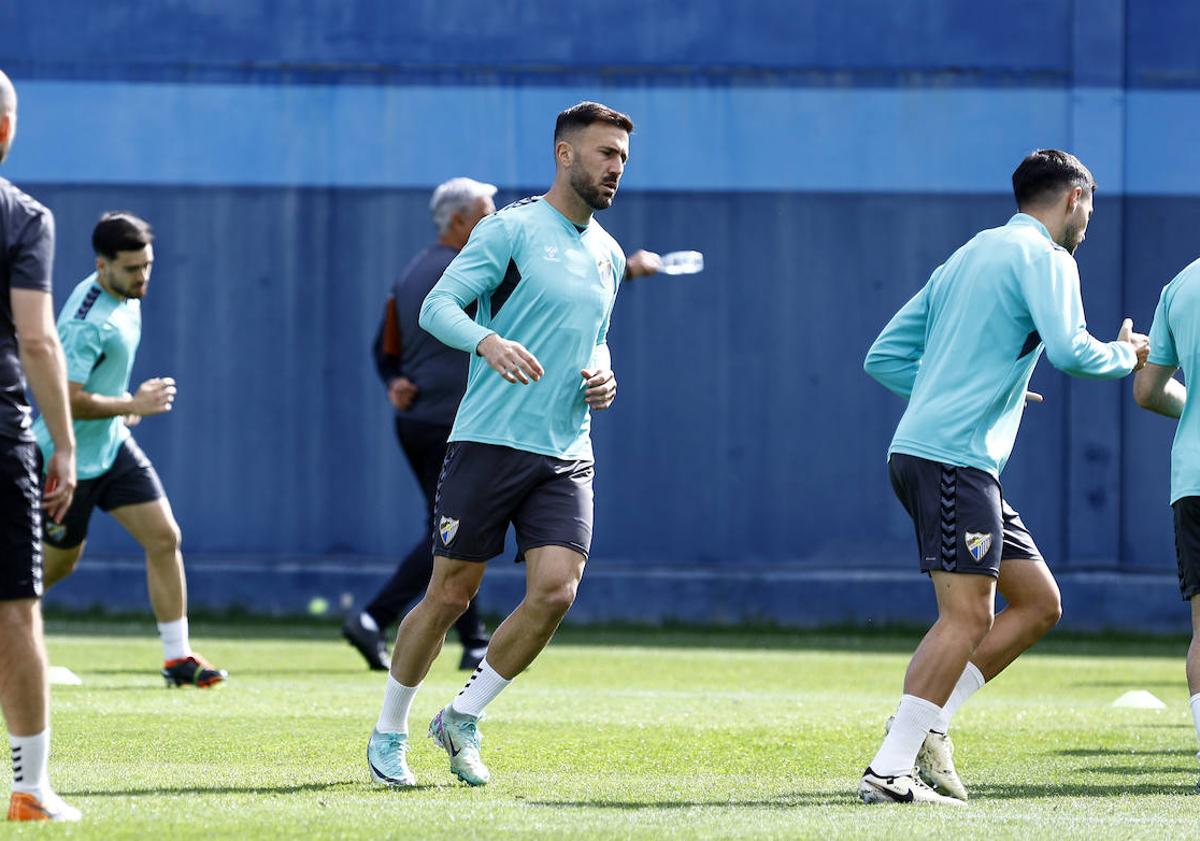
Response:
column 682, row 262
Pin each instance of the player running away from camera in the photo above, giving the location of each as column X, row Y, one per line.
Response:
column 29, row 349
column 1175, row 344
column 962, row 351
column 100, row 327
column 544, row 275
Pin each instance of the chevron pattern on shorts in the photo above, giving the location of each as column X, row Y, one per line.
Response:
column 949, row 526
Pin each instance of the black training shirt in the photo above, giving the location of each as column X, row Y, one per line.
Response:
column 26, row 262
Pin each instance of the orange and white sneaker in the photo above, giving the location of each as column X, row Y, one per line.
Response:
column 192, row 670
column 24, row 806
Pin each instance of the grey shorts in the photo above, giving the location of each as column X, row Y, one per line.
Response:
column 963, row 523
column 484, row 487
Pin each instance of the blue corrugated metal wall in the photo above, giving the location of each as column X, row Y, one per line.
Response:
column 825, row 157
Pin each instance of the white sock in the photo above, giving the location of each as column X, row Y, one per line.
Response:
column 174, row 637
column 397, row 699
column 898, row 754
column 969, row 682
column 30, row 763
column 483, row 686
column 368, row 621
column 1195, row 703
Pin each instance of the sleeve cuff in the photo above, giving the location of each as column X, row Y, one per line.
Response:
column 1128, row 354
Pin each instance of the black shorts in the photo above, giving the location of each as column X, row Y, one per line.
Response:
column 1187, row 544
column 20, row 520
column 958, row 513
column 131, row 480
column 484, row 487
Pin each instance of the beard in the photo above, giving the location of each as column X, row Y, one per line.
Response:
column 589, row 191
column 128, row 291
column 1073, row 238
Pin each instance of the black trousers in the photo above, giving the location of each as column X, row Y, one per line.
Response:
column 425, row 446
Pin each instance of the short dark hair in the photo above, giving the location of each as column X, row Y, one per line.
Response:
column 583, row 114
column 1047, row 172
column 120, row 231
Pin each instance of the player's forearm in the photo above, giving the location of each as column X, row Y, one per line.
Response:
column 88, row 406
column 890, row 366
column 896, row 375
column 45, row 368
column 442, row 316
column 1082, row 355
column 895, row 356
column 1167, row 400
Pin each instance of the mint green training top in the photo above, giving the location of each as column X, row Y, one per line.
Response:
column 542, row 281
column 1175, row 342
column 963, row 349
column 100, row 335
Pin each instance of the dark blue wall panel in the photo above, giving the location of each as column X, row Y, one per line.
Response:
column 1162, row 44
column 805, row 40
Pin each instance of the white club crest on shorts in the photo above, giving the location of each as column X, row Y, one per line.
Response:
column 978, row 544
column 447, row 528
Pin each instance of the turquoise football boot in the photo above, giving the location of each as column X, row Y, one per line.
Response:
column 459, row 736
column 387, row 757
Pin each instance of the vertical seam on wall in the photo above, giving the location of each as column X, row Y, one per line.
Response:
column 1122, row 497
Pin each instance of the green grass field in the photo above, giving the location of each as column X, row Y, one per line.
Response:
column 612, row 734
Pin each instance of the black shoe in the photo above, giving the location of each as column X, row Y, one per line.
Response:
column 369, row 643
column 472, row 656
column 192, row 670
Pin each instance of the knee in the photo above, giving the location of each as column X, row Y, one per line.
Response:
column 449, row 598
column 554, row 599
column 1040, row 609
column 1048, row 611
column 62, row 565
column 163, row 541
column 974, row 621
column 57, row 564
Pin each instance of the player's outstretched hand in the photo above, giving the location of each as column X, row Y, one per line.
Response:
column 642, row 263
column 60, row 485
column 510, row 359
column 154, row 396
column 1140, row 342
column 401, row 393
column 601, row 387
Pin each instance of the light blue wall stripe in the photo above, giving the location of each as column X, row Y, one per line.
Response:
column 1163, row 142
column 701, row 139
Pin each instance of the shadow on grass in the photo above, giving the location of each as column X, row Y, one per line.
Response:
column 1034, row 790
column 1119, row 752
column 1179, row 685
column 781, row 801
column 845, row 798
column 169, row 790
column 1134, row 770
